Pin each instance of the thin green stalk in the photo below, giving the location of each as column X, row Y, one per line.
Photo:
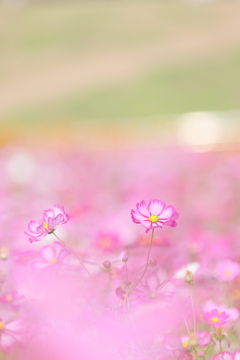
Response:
column 72, row 251
column 193, row 311
column 149, row 250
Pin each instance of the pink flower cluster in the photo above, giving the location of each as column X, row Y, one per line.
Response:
column 119, row 293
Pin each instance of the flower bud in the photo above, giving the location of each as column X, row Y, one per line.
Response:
column 219, row 333
column 107, row 264
column 152, row 262
column 188, row 277
column 193, row 341
column 121, row 294
column 124, row 259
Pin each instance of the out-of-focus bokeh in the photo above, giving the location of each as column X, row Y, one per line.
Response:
column 97, row 73
column 104, row 104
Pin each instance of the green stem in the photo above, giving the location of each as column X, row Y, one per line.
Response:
column 220, row 345
column 186, row 325
column 126, row 272
column 206, row 351
column 149, row 250
column 193, row 312
column 195, row 354
column 73, row 252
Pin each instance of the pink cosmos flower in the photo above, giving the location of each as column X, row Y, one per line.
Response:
column 51, row 219
column 216, row 318
column 225, row 355
column 232, row 312
column 202, row 338
column 12, row 299
column 154, row 288
column 227, row 270
column 9, row 333
column 51, row 256
column 156, row 214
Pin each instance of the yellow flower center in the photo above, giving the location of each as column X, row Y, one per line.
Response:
column 2, row 325
column 52, row 261
column 153, row 218
column 9, row 298
column 215, row 319
column 227, row 273
column 105, row 242
column 185, row 344
column 45, row 225
column 4, row 253
column 153, row 295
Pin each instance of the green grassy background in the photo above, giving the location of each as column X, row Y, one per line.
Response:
column 61, row 30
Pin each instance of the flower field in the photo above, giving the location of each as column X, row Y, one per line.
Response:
column 92, row 282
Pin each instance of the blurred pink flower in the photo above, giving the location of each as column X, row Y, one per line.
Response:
column 107, row 241
column 155, row 215
column 51, row 255
column 154, row 288
column 225, row 355
column 216, row 318
column 227, row 270
column 9, row 333
column 202, row 338
column 232, row 312
column 51, row 219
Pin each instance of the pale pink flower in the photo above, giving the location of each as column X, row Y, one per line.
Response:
column 202, row 338
column 231, row 311
column 9, row 333
column 156, row 214
column 216, row 318
column 225, row 355
column 13, row 299
column 51, row 255
column 107, row 241
column 154, row 288
column 51, row 219
column 227, row 270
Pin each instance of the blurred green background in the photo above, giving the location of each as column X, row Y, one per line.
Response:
column 106, row 61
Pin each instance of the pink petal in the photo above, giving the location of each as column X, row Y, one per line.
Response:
column 47, row 252
column 36, row 238
column 157, row 224
column 57, row 220
column 47, row 214
column 137, row 217
column 171, row 223
column 14, row 326
column 167, row 213
column 156, row 207
column 152, row 282
column 166, row 288
column 6, row 342
column 142, row 208
column 58, row 210
column 50, row 224
column 58, row 247
column 147, row 224
column 40, row 265
column 32, row 226
column 225, row 355
column 63, row 254
column 237, row 355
